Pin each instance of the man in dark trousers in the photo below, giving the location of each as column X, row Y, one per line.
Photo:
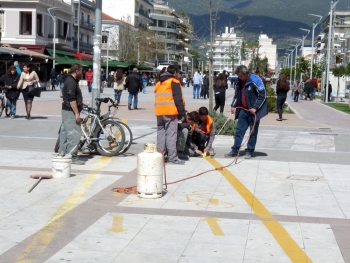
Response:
column 251, row 96
column 134, row 85
column 169, row 107
column 53, row 77
column 72, row 105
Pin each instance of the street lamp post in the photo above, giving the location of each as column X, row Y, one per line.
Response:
column 304, row 37
column 54, row 34
column 314, row 25
column 107, row 55
column 291, row 62
column 1, row 14
column 333, row 4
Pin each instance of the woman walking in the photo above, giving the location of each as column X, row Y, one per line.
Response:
column 144, row 82
column 119, row 82
column 220, row 92
column 28, row 78
column 11, row 80
column 282, row 89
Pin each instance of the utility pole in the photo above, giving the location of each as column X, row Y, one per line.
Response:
column 97, row 55
column 211, row 58
column 54, row 34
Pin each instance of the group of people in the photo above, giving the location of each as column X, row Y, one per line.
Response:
column 307, row 88
column 181, row 134
column 19, row 81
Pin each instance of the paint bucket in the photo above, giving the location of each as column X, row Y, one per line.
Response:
column 61, row 166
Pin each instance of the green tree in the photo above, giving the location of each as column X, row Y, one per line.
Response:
column 286, row 72
column 340, row 72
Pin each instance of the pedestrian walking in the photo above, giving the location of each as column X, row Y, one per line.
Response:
column 315, row 84
column 282, row 89
column 89, row 76
column 297, row 89
column 71, row 107
column 197, row 82
column 53, row 77
column 11, row 80
column 329, row 91
column 220, row 88
column 119, row 85
column 205, row 86
column 134, row 85
column 28, row 78
column 159, row 74
column 169, row 106
column 250, row 95
column 144, row 82
column 103, row 80
column 309, row 89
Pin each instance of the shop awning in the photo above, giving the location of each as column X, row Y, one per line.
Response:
column 141, row 67
column 68, row 58
column 35, row 57
column 116, row 64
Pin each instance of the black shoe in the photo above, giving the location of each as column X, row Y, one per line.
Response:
column 129, row 107
column 230, row 155
column 182, row 156
column 248, row 155
column 136, row 108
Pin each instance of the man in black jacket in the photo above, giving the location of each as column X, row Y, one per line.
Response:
column 72, row 105
column 134, row 85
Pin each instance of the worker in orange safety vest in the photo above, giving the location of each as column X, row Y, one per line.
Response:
column 169, row 109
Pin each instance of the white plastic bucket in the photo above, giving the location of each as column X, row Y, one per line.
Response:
column 61, row 166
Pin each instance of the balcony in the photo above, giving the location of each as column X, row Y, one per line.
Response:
column 60, row 37
column 84, row 24
column 143, row 14
column 164, row 29
column 83, row 45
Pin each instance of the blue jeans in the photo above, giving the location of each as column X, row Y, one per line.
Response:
column 12, row 104
column 301, row 96
column 245, row 120
column 196, row 88
column 131, row 95
column 89, row 86
column 117, row 95
column 144, row 85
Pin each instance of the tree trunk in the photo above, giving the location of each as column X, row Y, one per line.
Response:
column 211, row 60
column 338, row 90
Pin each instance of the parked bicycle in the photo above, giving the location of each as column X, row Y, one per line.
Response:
column 100, row 133
column 3, row 102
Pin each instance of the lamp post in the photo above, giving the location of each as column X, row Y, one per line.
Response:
column 1, row 14
column 168, row 48
column 291, row 61
column 304, row 37
column 314, row 25
column 296, row 57
column 54, row 34
column 138, row 50
column 107, row 52
column 333, row 4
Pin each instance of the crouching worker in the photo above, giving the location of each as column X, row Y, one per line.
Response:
column 169, row 105
column 204, row 134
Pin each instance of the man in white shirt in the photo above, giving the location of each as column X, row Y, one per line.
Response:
column 197, row 82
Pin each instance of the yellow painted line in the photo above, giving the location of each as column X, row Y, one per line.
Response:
column 214, row 226
column 286, row 242
column 188, row 198
column 214, row 201
column 45, row 235
column 117, row 226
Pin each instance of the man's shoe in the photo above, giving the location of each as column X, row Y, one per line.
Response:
column 211, row 152
column 129, row 107
column 77, row 162
column 183, row 157
column 12, row 116
column 248, row 155
column 178, row 161
column 230, row 155
column 136, row 108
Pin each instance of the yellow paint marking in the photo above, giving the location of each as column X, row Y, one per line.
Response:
column 286, row 242
column 117, row 226
column 45, row 235
column 117, row 194
column 214, row 226
column 214, row 201
column 188, row 198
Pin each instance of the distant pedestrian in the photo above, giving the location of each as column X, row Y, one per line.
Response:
column 309, row 89
column 297, row 89
column 53, row 77
column 134, row 85
column 197, row 83
column 282, row 89
column 169, row 106
column 144, row 82
column 329, row 91
column 315, row 84
column 251, row 95
column 160, row 73
column 119, row 82
column 11, row 79
column 28, row 78
column 220, row 88
column 205, row 86
column 89, row 76
column 103, row 80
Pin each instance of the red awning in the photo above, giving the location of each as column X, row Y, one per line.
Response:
column 83, row 56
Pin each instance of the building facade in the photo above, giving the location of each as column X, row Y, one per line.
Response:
column 269, row 50
column 227, row 51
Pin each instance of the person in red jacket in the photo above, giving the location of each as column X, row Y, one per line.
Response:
column 89, row 77
column 315, row 83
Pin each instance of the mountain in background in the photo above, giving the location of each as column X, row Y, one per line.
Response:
column 279, row 19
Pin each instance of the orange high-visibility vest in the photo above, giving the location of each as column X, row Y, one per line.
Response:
column 209, row 123
column 164, row 102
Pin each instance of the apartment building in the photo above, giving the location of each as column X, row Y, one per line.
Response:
column 269, row 50
column 134, row 12
column 28, row 23
column 227, row 50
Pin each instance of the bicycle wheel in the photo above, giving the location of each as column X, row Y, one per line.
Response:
column 2, row 106
column 128, row 137
column 110, row 138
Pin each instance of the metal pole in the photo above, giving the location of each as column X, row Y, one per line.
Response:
column 168, row 56
column 107, row 56
column 138, row 53
column 192, row 67
column 97, row 55
column 295, row 65
column 291, row 62
column 54, row 40
column 78, row 43
column 312, row 48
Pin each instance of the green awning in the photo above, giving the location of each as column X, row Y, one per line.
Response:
column 73, row 61
column 116, row 64
column 67, row 58
column 141, row 67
